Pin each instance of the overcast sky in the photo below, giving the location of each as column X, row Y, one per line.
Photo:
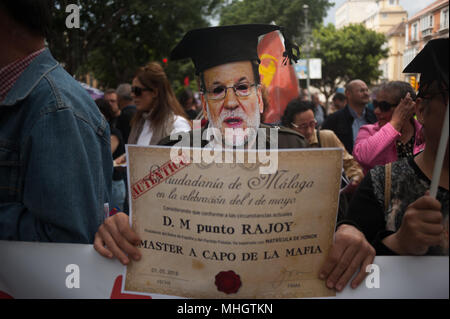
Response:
column 411, row 6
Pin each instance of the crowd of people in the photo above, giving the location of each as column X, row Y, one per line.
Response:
column 61, row 153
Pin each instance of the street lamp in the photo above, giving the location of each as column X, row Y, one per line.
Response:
column 307, row 34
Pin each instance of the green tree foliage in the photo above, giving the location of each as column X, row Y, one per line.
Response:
column 117, row 36
column 352, row 52
column 287, row 13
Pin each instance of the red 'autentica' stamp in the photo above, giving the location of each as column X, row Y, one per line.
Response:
column 158, row 176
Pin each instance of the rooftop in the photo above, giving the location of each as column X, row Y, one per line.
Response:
column 398, row 29
column 429, row 8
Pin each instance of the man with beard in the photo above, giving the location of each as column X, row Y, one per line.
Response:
column 226, row 61
column 231, row 91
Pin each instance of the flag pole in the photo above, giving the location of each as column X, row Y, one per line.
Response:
column 440, row 156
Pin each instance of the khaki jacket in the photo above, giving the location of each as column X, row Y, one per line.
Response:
column 328, row 139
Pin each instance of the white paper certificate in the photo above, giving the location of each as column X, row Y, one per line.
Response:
column 223, row 230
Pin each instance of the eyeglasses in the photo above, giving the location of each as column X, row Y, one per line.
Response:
column 383, row 105
column 220, row 92
column 305, row 126
column 138, row 90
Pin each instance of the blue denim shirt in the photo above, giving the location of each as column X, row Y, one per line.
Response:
column 358, row 121
column 55, row 158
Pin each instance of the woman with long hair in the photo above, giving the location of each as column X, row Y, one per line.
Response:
column 159, row 114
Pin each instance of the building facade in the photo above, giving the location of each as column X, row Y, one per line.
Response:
column 383, row 16
column 386, row 15
column 392, row 67
column 429, row 23
column 354, row 11
column 387, row 18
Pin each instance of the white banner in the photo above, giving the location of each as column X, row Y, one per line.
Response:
column 48, row 270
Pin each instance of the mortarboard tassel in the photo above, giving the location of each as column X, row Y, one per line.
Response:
column 292, row 51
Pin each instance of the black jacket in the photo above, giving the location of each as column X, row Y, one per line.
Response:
column 340, row 122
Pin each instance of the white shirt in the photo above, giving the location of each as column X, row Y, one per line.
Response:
column 180, row 125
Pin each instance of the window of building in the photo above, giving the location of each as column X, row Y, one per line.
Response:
column 384, row 70
column 414, row 33
column 426, row 22
column 406, row 34
column 444, row 19
column 409, row 55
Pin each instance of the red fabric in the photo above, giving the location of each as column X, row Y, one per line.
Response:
column 4, row 295
column 116, row 292
column 279, row 80
column 11, row 73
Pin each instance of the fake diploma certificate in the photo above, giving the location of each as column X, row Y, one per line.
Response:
column 224, row 230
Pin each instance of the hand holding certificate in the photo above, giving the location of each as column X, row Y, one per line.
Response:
column 121, row 161
column 225, row 231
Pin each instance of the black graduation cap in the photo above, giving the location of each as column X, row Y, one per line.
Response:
column 209, row 47
column 431, row 62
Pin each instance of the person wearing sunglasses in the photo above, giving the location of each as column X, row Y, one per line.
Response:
column 231, row 96
column 396, row 134
column 405, row 218
column 227, row 66
column 158, row 112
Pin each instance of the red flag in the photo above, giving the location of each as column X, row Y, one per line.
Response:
column 186, row 81
column 279, row 80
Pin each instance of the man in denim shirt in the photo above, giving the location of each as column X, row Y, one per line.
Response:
column 55, row 159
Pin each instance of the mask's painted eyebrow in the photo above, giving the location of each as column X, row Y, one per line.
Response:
column 244, row 78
